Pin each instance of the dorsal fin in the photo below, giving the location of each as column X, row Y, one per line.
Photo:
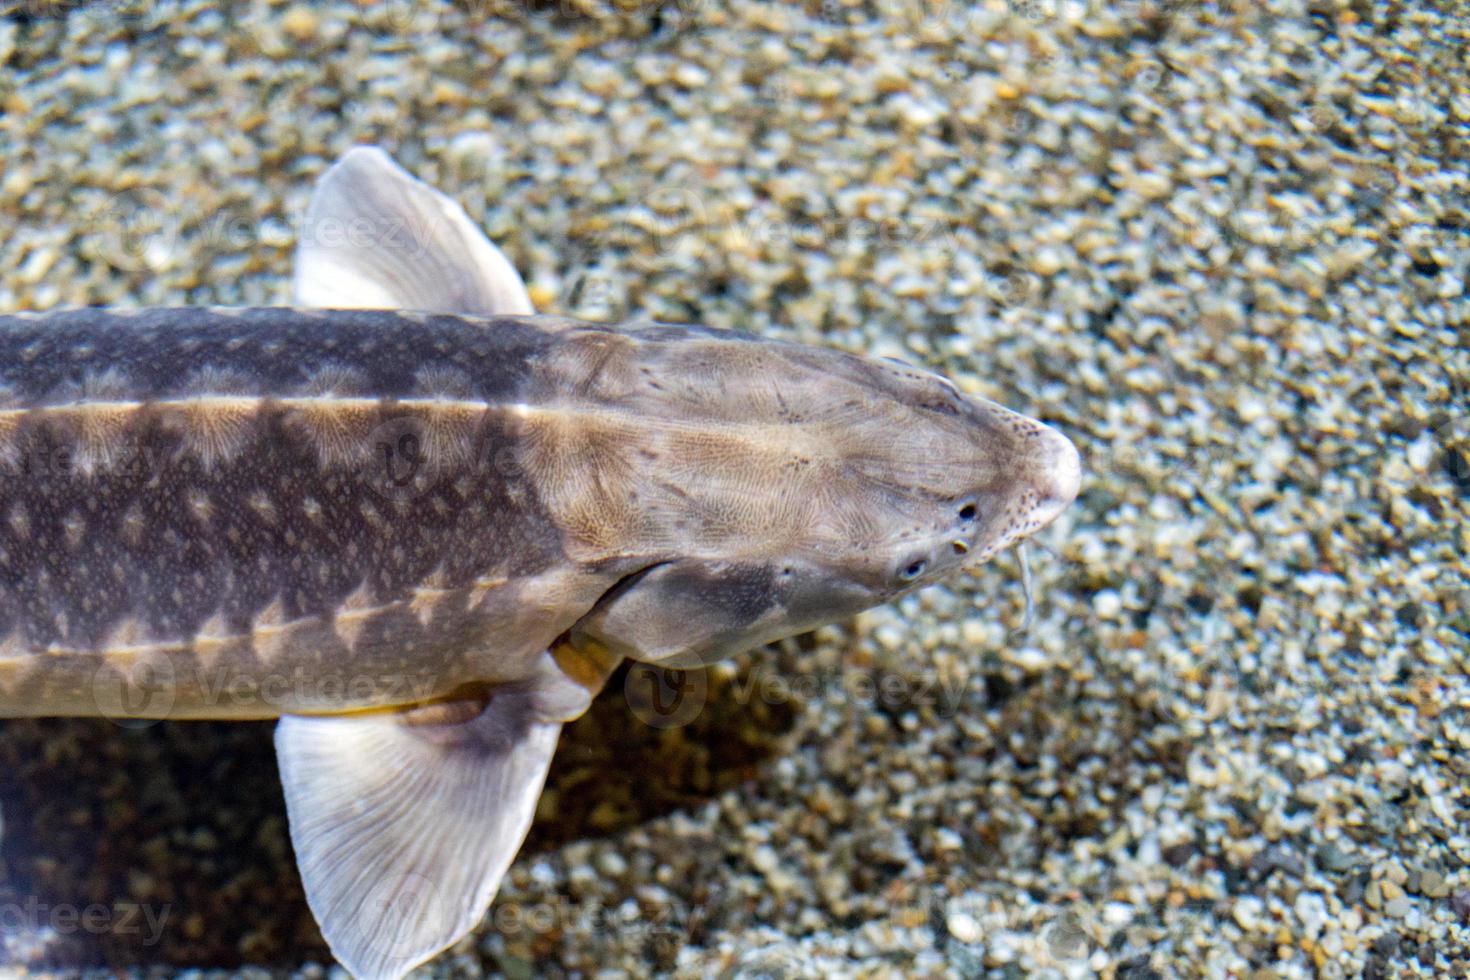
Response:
column 376, row 237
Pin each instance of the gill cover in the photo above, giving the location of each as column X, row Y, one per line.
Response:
column 692, row 612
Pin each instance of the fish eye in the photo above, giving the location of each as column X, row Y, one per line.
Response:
column 913, row 569
column 968, row 511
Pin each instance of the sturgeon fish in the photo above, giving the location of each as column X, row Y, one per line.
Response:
column 420, row 525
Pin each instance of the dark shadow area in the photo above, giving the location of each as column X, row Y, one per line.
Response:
column 181, row 825
column 167, row 845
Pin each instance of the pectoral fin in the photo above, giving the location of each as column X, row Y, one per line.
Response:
column 375, row 237
column 692, row 612
column 404, row 823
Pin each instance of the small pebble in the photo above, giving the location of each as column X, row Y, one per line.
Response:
column 1432, row 884
column 964, row 927
column 300, row 23
column 1247, row 912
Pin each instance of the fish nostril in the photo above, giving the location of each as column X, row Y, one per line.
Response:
column 960, row 548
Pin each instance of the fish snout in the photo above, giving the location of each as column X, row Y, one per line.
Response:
column 1058, row 475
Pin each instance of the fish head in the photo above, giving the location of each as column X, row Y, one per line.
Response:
column 838, row 483
column 924, row 479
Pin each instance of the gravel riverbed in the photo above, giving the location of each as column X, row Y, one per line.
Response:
column 1224, row 247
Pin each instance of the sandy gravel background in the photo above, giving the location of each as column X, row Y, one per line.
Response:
column 1223, row 246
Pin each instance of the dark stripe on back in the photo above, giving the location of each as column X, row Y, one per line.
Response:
column 157, row 352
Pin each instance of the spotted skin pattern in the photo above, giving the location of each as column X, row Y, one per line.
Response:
column 205, row 489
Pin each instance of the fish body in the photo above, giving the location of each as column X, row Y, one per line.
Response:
column 423, row 535
column 258, row 512
column 279, row 511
